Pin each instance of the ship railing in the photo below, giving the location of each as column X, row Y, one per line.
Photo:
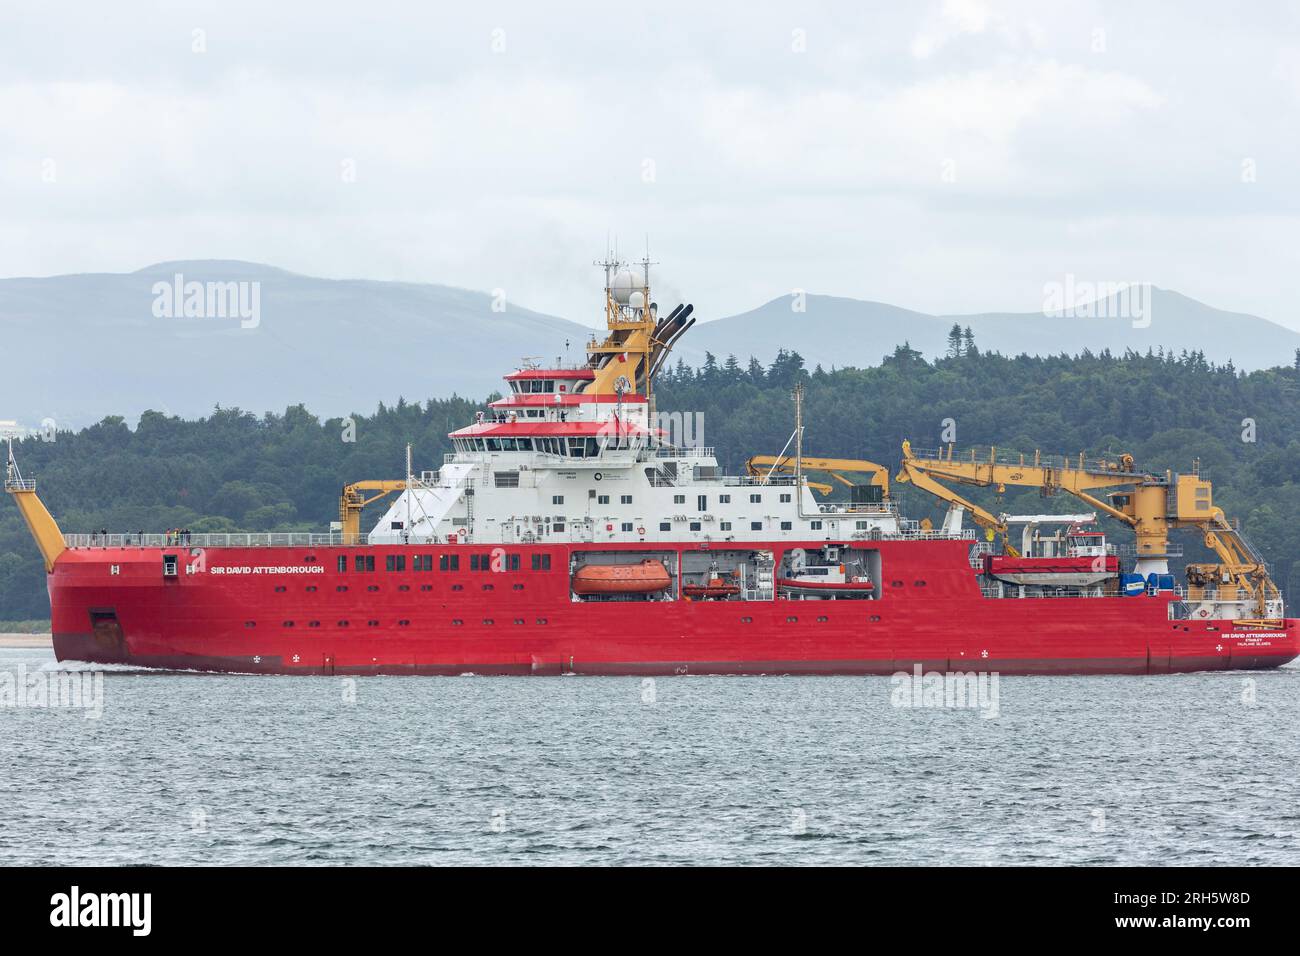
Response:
column 700, row 451
column 1033, row 592
column 234, row 539
column 877, row 508
column 20, row 484
column 1171, row 551
column 918, row 535
column 750, row 481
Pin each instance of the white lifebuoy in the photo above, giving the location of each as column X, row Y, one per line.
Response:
column 641, row 530
column 1203, row 612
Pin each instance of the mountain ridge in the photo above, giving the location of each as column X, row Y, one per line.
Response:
column 85, row 345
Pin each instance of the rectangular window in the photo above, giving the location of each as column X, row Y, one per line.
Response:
column 557, row 527
column 514, row 562
column 786, row 525
column 557, row 499
column 724, row 499
column 702, row 502
column 756, row 526
column 665, row 526
column 473, row 562
column 815, row 525
column 360, row 562
column 395, row 562
column 695, row 526
column 602, row 499
column 679, row 499
column 725, row 525
column 343, row 564
column 625, row 499
column 755, row 499
column 785, row 499
column 627, row 526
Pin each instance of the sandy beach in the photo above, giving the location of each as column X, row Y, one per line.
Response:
column 24, row 640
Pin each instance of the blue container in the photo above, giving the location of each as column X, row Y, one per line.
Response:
column 1131, row 585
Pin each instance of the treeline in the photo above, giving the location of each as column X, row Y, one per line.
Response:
column 234, row 470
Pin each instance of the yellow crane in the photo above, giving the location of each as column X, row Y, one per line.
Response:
column 760, row 466
column 353, row 500
column 1151, row 504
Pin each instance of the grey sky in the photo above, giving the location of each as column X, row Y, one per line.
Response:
column 946, row 157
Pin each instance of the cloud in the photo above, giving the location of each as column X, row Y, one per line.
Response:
column 951, row 159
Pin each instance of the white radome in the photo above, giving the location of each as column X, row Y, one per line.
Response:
column 622, row 286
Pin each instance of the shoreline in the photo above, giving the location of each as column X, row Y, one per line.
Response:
column 24, row 640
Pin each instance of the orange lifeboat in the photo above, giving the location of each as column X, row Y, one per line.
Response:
column 715, row 588
column 644, row 577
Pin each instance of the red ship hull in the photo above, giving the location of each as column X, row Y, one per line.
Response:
column 294, row 611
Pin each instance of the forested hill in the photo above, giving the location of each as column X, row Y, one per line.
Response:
column 237, row 471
